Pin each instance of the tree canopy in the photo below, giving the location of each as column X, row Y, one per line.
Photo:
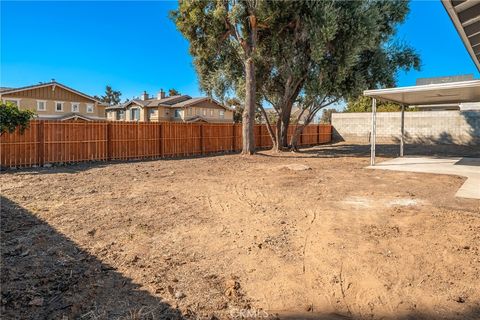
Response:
column 111, row 97
column 12, row 118
column 173, row 92
column 364, row 104
column 224, row 36
column 313, row 53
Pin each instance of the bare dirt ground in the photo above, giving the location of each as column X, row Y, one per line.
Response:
column 306, row 235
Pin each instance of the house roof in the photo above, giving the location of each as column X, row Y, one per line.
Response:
column 168, row 101
column 115, row 107
column 179, row 101
column 47, row 84
column 193, row 101
column 76, row 116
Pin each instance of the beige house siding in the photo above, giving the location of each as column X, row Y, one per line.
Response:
column 28, row 99
column 208, row 110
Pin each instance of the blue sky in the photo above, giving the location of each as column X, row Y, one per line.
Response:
column 133, row 46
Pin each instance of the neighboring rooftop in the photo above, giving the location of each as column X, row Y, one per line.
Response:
column 447, row 79
column 177, row 101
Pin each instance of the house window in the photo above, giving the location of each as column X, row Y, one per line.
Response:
column 120, row 115
column 89, row 108
column 75, row 107
column 177, row 113
column 204, row 112
column 211, row 113
column 58, row 106
column 222, row 114
column 152, row 112
column 41, row 105
column 135, row 114
column 13, row 101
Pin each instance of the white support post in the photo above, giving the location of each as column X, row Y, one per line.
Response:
column 373, row 134
column 402, row 137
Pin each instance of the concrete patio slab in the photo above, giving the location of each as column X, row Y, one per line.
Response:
column 465, row 167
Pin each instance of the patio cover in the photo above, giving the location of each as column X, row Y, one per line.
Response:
column 465, row 15
column 442, row 93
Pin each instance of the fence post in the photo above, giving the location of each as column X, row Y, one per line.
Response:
column 301, row 135
column 318, row 133
column 160, row 153
column 41, row 143
column 136, row 140
column 259, row 136
column 109, row 141
column 233, row 137
column 202, row 143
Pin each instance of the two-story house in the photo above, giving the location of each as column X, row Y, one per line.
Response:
column 55, row 101
column 180, row 108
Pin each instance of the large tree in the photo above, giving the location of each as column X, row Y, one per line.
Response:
column 319, row 51
column 329, row 51
column 223, row 37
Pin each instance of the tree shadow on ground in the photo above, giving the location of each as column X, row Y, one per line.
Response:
column 75, row 167
column 470, row 314
column 382, row 150
column 45, row 275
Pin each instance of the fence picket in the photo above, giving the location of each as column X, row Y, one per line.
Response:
column 55, row 141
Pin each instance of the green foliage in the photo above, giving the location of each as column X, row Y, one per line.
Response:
column 111, row 97
column 219, row 36
column 364, row 104
column 236, row 105
column 327, row 116
column 324, row 50
column 12, row 118
column 173, row 92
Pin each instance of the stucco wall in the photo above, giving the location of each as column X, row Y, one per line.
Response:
column 430, row 127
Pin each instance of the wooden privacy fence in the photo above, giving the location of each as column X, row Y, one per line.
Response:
column 64, row 142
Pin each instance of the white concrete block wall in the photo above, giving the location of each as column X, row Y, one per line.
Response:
column 431, row 127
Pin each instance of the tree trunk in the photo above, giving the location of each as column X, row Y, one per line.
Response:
column 282, row 127
column 296, row 136
column 271, row 133
column 248, row 115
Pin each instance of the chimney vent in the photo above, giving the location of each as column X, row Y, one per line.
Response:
column 161, row 94
column 144, row 96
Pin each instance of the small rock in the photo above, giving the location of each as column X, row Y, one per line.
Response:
column 134, row 259
column 466, row 247
column 180, row 295
column 460, row 300
column 297, row 167
column 38, row 302
column 92, row 232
